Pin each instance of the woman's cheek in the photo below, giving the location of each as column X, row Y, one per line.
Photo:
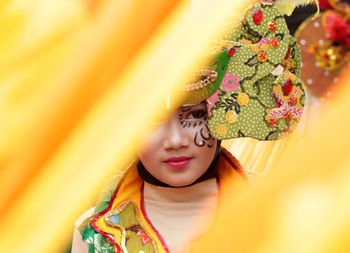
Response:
column 198, row 128
column 202, row 136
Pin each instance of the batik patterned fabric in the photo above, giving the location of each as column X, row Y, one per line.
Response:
column 246, row 99
column 250, row 101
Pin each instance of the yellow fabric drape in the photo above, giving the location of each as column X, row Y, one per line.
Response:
column 79, row 82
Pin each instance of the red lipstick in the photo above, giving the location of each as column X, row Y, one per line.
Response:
column 178, row 162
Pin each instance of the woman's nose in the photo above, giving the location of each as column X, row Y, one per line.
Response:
column 176, row 137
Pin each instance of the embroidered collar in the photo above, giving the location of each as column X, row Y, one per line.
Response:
column 124, row 222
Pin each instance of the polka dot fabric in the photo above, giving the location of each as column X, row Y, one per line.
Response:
column 250, row 101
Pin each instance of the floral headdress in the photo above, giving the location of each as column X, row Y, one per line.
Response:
column 252, row 88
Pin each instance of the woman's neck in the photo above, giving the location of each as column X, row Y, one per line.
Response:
column 196, row 192
column 181, row 215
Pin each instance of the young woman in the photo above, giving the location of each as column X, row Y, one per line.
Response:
column 170, row 196
column 167, row 199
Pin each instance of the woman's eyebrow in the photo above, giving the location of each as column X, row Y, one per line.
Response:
column 197, row 105
column 185, row 108
column 191, row 108
column 187, row 105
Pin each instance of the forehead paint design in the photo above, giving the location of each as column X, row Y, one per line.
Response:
column 202, row 135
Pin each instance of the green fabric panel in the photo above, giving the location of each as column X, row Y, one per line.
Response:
column 87, row 232
column 102, row 244
column 137, row 238
column 245, row 95
column 219, row 65
column 295, row 55
column 98, row 243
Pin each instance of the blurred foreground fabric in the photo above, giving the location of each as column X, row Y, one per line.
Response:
column 80, row 81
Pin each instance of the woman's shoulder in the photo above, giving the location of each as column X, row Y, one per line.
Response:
column 83, row 222
column 83, row 232
column 85, row 236
column 85, row 216
column 107, row 192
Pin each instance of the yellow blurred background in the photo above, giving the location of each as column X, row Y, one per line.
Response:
column 80, row 81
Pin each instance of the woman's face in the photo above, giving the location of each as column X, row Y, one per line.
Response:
column 180, row 150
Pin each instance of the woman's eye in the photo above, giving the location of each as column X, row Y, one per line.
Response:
column 197, row 114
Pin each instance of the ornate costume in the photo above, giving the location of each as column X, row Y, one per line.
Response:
column 120, row 223
column 252, row 89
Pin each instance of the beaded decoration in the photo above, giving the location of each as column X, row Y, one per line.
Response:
column 206, row 77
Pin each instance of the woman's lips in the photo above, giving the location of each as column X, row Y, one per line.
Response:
column 178, row 162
